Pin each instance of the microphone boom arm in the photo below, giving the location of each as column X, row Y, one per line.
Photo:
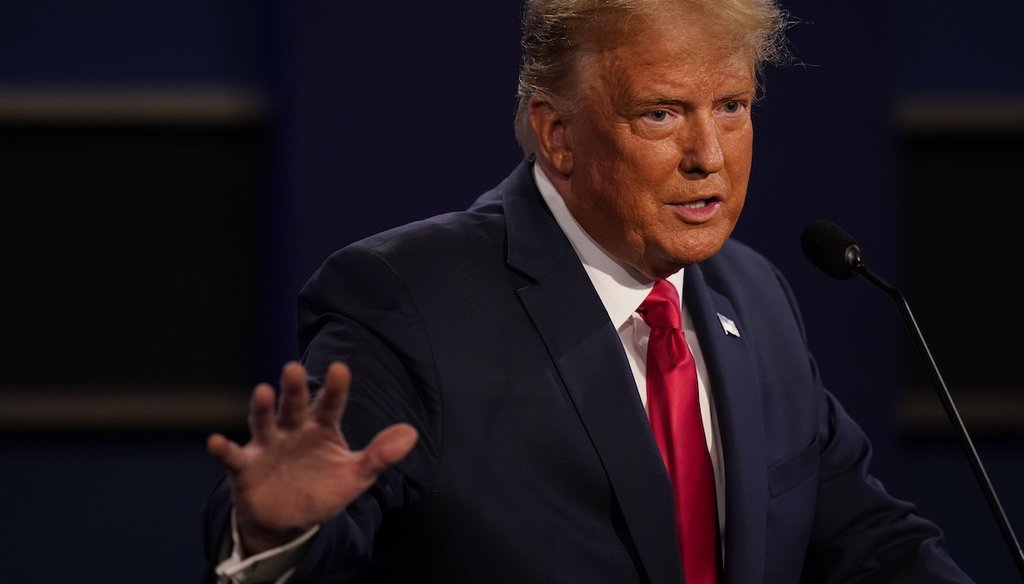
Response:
column 856, row 264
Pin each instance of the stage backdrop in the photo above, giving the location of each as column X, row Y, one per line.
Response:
column 173, row 171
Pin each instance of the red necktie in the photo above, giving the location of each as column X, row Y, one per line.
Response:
column 674, row 410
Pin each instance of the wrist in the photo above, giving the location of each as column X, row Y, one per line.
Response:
column 255, row 539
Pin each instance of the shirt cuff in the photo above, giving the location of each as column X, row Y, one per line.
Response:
column 274, row 565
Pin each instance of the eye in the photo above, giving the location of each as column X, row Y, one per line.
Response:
column 733, row 106
column 658, row 115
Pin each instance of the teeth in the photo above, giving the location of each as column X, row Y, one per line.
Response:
column 695, row 205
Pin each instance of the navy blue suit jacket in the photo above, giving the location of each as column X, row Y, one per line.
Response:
column 536, row 462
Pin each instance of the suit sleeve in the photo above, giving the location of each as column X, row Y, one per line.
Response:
column 354, row 309
column 860, row 532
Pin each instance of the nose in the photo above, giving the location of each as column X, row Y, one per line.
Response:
column 700, row 147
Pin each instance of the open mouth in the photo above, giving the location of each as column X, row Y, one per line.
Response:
column 696, row 204
column 700, row 210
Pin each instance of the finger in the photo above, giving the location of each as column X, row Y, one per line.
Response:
column 331, row 400
column 261, row 413
column 227, row 452
column 294, row 406
column 388, row 447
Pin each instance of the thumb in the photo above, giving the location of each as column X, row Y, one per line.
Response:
column 388, row 447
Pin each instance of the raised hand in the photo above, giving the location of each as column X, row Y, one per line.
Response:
column 297, row 471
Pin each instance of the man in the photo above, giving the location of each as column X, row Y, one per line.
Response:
column 510, row 410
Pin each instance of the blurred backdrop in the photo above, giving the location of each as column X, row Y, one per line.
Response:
column 172, row 172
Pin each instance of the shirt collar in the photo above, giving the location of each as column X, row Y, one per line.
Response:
column 620, row 287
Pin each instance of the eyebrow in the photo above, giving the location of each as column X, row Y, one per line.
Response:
column 662, row 100
column 658, row 100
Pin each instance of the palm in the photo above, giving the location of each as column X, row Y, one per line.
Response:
column 297, row 470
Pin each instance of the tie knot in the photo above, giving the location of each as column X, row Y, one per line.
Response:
column 661, row 307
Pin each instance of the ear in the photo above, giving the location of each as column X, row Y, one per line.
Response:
column 554, row 139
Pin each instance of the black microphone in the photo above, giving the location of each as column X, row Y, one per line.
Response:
column 830, row 248
column 837, row 254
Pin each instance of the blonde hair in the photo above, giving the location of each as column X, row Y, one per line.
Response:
column 556, row 33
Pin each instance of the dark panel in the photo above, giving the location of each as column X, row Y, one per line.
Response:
column 99, row 512
column 188, row 42
column 965, row 283
column 132, row 256
column 953, row 47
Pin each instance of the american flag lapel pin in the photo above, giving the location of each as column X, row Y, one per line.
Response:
column 728, row 325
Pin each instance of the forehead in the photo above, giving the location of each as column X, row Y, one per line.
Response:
column 629, row 70
column 678, row 52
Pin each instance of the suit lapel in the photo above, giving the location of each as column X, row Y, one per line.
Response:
column 587, row 352
column 737, row 399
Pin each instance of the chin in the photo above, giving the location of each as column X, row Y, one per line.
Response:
column 695, row 250
column 680, row 251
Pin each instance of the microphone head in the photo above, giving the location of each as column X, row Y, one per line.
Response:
column 832, row 249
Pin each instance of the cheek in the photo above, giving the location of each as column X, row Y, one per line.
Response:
column 738, row 150
column 657, row 160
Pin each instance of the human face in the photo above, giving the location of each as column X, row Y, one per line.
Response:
column 658, row 152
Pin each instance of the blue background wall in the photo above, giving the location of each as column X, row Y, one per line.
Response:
column 371, row 106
